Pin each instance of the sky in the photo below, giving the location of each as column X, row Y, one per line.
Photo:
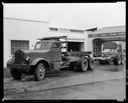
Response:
column 70, row 15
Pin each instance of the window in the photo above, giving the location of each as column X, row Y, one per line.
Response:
column 19, row 44
column 56, row 45
column 45, row 45
column 53, row 29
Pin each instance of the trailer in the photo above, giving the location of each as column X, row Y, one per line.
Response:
column 50, row 53
column 112, row 52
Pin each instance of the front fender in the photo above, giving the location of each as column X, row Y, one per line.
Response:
column 34, row 62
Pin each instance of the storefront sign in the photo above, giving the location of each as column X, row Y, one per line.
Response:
column 106, row 35
column 115, row 39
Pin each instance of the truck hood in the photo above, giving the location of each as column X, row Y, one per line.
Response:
column 34, row 51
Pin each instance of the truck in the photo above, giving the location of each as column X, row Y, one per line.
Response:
column 112, row 52
column 49, row 54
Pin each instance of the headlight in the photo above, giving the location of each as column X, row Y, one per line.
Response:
column 27, row 59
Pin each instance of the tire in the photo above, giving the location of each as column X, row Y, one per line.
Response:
column 106, row 61
column 15, row 74
column 83, row 65
column 101, row 62
column 39, row 72
column 117, row 60
column 91, row 64
column 123, row 60
column 74, row 66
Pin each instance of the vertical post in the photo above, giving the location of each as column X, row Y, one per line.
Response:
column 66, row 44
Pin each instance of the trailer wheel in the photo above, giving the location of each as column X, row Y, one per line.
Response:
column 15, row 74
column 39, row 72
column 83, row 65
column 101, row 61
column 117, row 60
column 106, row 61
column 123, row 60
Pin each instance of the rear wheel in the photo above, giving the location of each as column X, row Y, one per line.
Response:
column 39, row 72
column 15, row 74
column 91, row 64
column 83, row 65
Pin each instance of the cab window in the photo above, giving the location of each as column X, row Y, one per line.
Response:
column 56, row 45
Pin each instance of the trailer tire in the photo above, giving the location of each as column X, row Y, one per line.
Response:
column 39, row 72
column 83, row 65
column 123, row 60
column 101, row 62
column 106, row 61
column 117, row 60
column 15, row 74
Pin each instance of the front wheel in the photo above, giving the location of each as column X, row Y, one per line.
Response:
column 39, row 72
column 15, row 74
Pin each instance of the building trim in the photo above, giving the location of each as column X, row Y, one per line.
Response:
column 102, row 35
column 76, row 39
column 25, row 20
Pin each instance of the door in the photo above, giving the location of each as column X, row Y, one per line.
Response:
column 55, row 52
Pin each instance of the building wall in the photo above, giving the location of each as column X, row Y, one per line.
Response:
column 15, row 29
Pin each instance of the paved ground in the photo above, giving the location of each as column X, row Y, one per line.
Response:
column 105, row 82
column 112, row 89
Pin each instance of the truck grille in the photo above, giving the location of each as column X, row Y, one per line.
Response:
column 19, row 58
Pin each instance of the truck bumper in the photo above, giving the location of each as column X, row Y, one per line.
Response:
column 19, row 66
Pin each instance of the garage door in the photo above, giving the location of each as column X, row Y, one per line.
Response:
column 75, row 46
column 19, row 44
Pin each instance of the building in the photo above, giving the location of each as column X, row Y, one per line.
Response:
column 97, row 37
column 21, row 34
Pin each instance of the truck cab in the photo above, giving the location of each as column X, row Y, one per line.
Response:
column 48, row 54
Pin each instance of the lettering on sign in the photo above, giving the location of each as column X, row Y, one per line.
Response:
column 115, row 39
column 106, row 35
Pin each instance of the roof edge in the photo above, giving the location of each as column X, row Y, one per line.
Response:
column 25, row 20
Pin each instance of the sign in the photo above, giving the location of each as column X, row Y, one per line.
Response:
column 106, row 35
column 115, row 39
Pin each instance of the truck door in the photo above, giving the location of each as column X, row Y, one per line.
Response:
column 55, row 52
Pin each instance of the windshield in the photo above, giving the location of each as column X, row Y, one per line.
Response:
column 42, row 45
column 109, row 50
